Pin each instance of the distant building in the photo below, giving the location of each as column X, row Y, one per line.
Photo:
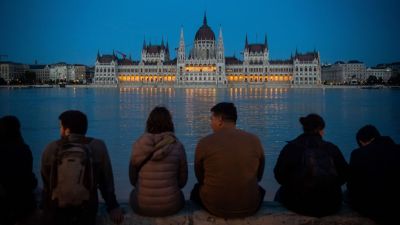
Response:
column 58, row 71
column 42, row 72
column 12, row 71
column 206, row 64
column 383, row 73
column 344, row 73
column 76, row 73
column 65, row 72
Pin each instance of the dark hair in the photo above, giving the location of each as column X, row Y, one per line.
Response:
column 160, row 120
column 312, row 123
column 10, row 132
column 367, row 133
column 226, row 110
column 75, row 120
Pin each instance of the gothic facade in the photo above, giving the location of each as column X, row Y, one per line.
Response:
column 207, row 65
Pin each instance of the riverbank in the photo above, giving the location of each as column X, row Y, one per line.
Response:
column 271, row 213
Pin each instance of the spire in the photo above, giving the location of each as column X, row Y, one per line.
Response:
column 144, row 43
column 162, row 42
column 246, row 43
column 98, row 53
column 130, row 56
column 182, row 37
column 266, row 42
column 167, row 47
column 205, row 18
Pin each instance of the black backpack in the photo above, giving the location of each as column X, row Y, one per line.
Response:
column 317, row 169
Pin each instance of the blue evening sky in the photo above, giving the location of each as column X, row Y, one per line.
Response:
column 72, row 31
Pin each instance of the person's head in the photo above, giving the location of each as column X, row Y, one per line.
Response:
column 10, row 130
column 160, row 120
column 73, row 122
column 313, row 124
column 223, row 114
column 366, row 135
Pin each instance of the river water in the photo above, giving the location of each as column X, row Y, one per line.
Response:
column 118, row 115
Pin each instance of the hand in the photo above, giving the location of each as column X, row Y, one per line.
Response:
column 117, row 216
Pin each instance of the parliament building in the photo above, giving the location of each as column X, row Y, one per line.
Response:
column 205, row 64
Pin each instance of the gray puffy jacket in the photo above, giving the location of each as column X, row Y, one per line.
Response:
column 158, row 184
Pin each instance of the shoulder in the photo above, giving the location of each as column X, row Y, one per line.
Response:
column 49, row 151
column 97, row 145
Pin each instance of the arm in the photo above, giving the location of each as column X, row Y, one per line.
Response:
column 183, row 169
column 45, row 171
column 105, row 180
column 261, row 166
column 198, row 163
column 282, row 166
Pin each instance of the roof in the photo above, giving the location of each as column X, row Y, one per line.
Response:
column 232, row 61
column 37, row 67
column 106, row 58
column 309, row 56
column 256, row 47
column 354, row 62
column 125, row 62
column 204, row 32
column 154, row 49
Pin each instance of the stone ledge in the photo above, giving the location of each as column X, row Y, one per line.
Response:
column 271, row 213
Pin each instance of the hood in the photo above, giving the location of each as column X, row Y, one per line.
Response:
column 160, row 145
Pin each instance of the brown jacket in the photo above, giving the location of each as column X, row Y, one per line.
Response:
column 103, row 176
column 158, row 183
column 228, row 165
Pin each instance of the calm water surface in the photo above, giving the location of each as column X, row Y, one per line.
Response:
column 118, row 117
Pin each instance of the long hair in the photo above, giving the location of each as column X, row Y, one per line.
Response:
column 159, row 120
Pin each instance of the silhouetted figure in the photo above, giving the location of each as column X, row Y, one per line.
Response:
column 374, row 181
column 158, row 168
column 73, row 168
column 311, row 171
column 17, row 181
column 229, row 163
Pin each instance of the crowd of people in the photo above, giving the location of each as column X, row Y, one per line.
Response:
column 229, row 164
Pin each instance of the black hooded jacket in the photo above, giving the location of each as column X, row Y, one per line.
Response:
column 292, row 194
column 374, row 182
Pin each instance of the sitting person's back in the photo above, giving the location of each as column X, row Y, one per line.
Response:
column 228, row 165
column 374, row 186
column 158, row 168
column 311, row 172
column 17, row 181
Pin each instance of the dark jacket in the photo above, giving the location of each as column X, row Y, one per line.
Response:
column 374, row 182
column 158, row 183
column 17, row 182
column 228, row 165
column 103, row 176
column 293, row 195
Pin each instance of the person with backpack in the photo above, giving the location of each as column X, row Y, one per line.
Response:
column 158, row 168
column 72, row 169
column 374, row 185
column 17, row 181
column 311, row 172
